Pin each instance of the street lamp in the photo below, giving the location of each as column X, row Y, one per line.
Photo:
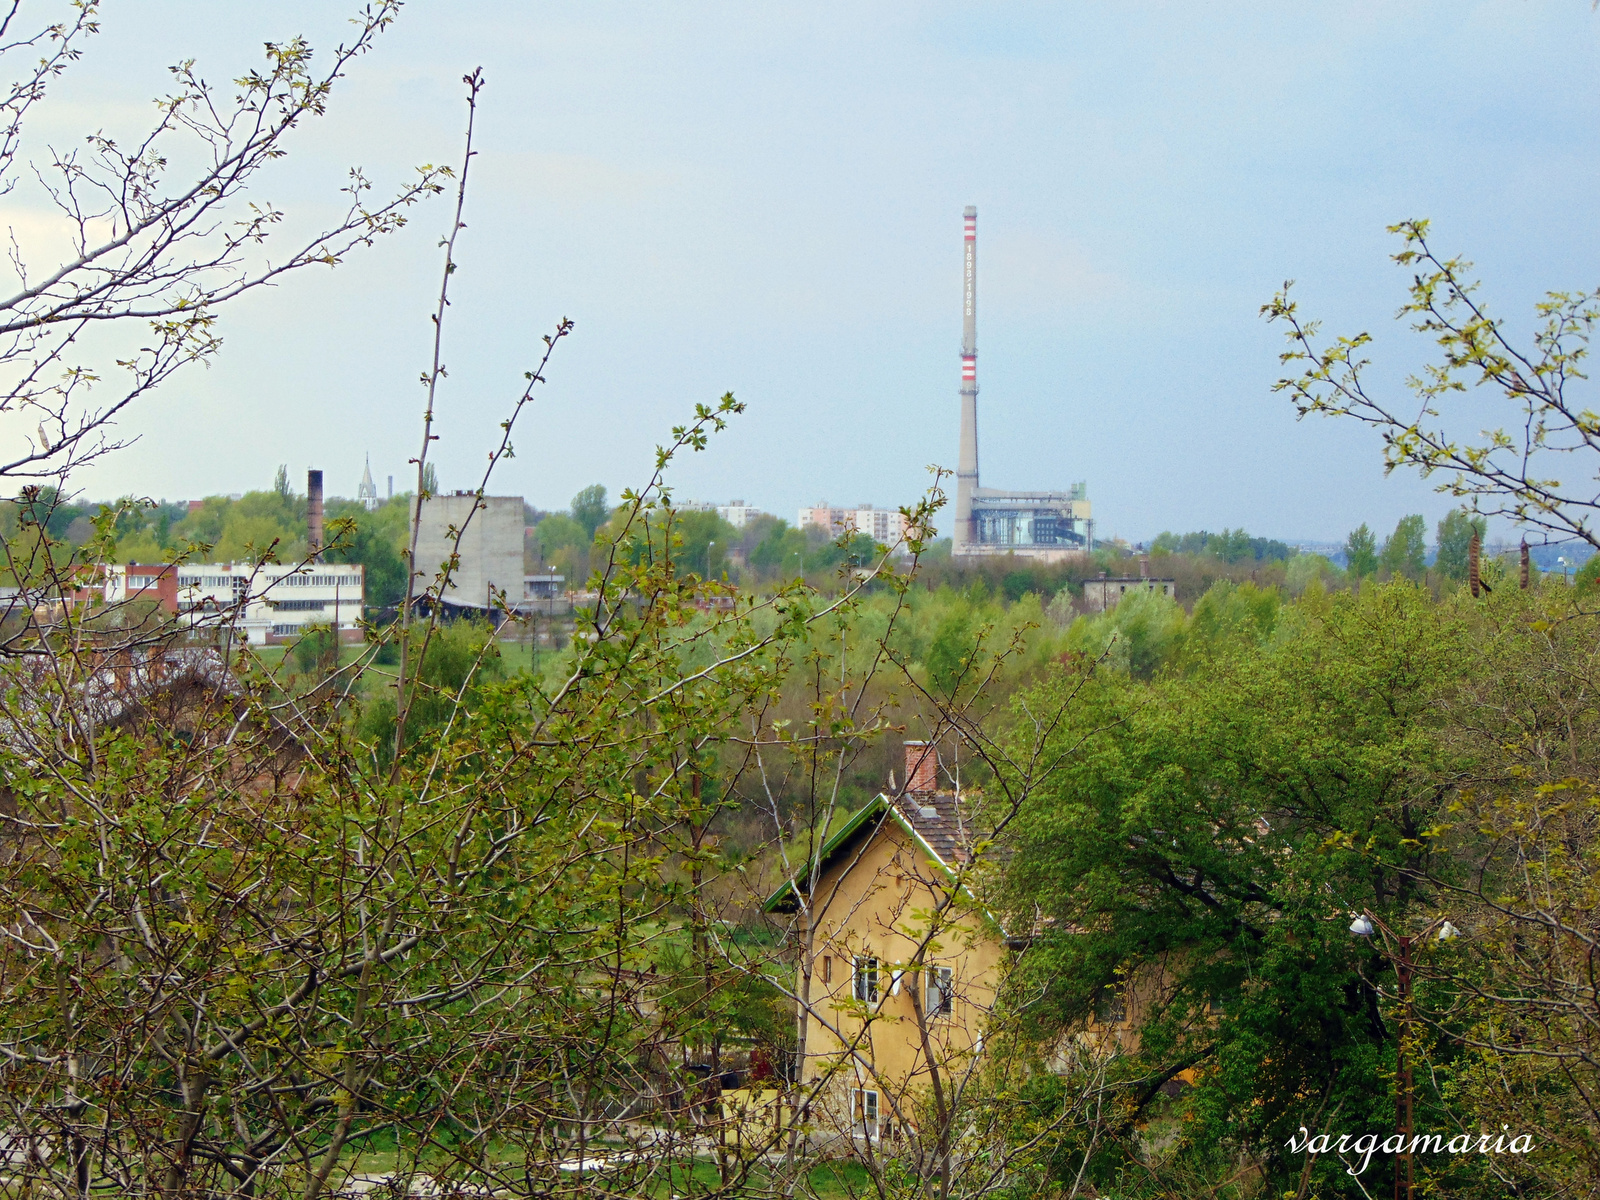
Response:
column 709, row 544
column 1562, row 563
column 1363, row 926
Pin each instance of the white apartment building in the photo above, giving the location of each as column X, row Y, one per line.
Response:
column 738, row 513
column 886, row 525
column 269, row 604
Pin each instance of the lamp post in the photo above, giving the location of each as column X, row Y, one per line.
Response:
column 709, row 544
column 1562, row 562
column 1405, row 1090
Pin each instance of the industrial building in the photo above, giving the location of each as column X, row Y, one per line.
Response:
column 267, row 605
column 1050, row 526
column 490, row 560
column 1105, row 593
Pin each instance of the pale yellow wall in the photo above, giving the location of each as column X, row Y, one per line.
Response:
column 880, row 901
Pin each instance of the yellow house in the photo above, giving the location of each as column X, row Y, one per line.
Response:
column 898, row 963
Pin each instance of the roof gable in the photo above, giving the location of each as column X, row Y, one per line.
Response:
column 931, row 819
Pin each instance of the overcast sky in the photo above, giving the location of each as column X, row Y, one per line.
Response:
column 766, row 198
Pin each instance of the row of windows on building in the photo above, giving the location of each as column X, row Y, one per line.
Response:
column 866, row 983
column 207, row 603
column 342, row 579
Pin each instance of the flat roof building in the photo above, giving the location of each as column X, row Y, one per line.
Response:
column 490, row 548
column 268, row 604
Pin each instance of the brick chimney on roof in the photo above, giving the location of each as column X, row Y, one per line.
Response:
column 922, row 767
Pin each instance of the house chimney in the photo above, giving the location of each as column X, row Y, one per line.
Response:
column 922, row 767
column 1144, row 566
column 314, row 513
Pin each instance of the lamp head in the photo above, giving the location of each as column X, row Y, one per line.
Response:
column 1361, row 926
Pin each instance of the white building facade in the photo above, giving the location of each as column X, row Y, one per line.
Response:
column 268, row 605
column 739, row 514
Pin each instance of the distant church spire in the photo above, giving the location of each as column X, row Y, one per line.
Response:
column 367, row 493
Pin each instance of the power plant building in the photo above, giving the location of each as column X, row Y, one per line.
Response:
column 1042, row 525
column 491, row 549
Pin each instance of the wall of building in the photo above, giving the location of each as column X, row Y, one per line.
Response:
column 875, row 905
column 268, row 604
column 1100, row 595
column 491, row 547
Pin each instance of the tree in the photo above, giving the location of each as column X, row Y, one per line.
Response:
column 166, row 228
column 1197, row 846
column 1405, row 551
column 358, row 538
column 1518, row 470
column 317, row 651
column 1455, row 533
column 1361, row 552
column 280, row 484
column 590, row 510
column 782, row 549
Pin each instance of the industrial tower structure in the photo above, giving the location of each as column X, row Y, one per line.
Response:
column 1041, row 525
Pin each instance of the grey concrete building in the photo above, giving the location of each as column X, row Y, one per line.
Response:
column 490, row 548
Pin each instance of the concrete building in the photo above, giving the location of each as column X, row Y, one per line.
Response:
column 544, row 594
column 1103, row 594
column 267, row 605
column 1049, row 525
column 886, row 525
column 490, row 549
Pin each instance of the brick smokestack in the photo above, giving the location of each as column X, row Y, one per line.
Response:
column 922, row 767
column 1473, row 581
column 314, row 512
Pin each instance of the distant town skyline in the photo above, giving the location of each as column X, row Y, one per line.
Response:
column 768, row 201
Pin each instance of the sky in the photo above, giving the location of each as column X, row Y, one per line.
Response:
column 766, row 199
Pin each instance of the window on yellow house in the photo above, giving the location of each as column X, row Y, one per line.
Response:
column 939, row 999
column 1109, row 1008
column 827, row 968
column 866, row 981
column 866, row 1113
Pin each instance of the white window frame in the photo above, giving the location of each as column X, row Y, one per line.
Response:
column 939, row 992
column 864, row 1103
column 864, row 979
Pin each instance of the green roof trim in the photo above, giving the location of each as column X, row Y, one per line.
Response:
column 860, row 817
column 878, row 805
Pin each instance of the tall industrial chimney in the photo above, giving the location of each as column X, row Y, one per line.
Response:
column 967, row 465
column 314, row 512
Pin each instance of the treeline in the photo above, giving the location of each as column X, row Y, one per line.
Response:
column 766, row 549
